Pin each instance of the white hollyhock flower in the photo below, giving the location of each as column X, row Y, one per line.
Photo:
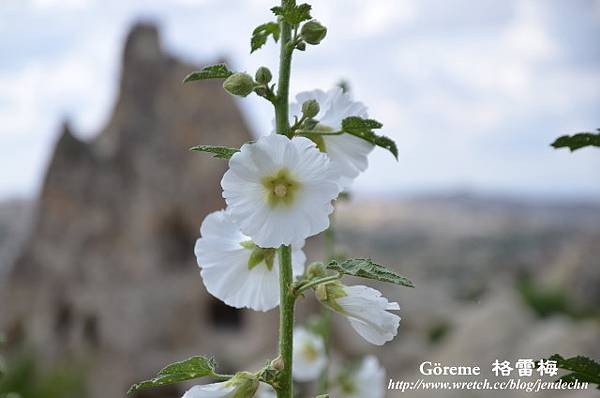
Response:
column 365, row 308
column 241, row 385
column 309, row 355
column 237, row 271
column 368, row 381
column 279, row 191
column 347, row 152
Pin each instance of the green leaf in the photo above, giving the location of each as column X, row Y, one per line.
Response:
column 363, row 128
column 292, row 13
column 577, row 141
column 218, row 71
column 262, row 33
column 366, row 268
column 582, row 369
column 191, row 368
column 219, row 152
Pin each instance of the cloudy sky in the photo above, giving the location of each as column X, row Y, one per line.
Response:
column 473, row 91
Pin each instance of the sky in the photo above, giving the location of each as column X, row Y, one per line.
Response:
column 472, row 91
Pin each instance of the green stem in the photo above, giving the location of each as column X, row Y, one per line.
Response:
column 286, row 321
column 283, row 87
column 316, row 282
column 287, row 297
column 312, row 132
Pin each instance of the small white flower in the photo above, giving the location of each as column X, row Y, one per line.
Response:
column 347, row 152
column 365, row 308
column 368, row 381
column 279, row 191
column 237, row 271
column 242, row 384
column 309, row 355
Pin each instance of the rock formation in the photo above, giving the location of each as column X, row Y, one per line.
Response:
column 109, row 274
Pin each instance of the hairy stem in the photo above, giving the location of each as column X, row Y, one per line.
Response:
column 283, row 87
column 287, row 297
column 286, row 321
column 316, row 282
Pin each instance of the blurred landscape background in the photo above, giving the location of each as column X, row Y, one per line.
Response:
column 101, row 201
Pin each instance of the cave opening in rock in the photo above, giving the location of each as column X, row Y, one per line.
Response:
column 176, row 242
column 63, row 319
column 90, row 330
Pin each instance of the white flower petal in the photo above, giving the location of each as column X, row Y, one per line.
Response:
column 347, row 152
column 309, row 355
column 214, row 390
column 366, row 309
column 265, row 391
column 225, row 271
column 306, row 214
column 368, row 381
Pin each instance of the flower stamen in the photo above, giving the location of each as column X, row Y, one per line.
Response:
column 280, row 188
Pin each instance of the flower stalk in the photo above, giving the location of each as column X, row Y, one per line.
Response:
column 315, row 282
column 283, row 87
column 287, row 297
column 286, row 322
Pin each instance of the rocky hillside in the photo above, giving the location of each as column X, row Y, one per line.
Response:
column 495, row 279
column 109, row 271
column 15, row 217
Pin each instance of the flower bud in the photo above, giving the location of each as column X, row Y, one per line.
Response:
column 245, row 384
column 239, row 84
column 263, row 75
column 277, row 363
column 310, row 108
column 313, row 32
column 328, row 293
column 315, row 270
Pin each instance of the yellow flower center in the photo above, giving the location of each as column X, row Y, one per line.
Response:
column 310, row 352
column 281, row 188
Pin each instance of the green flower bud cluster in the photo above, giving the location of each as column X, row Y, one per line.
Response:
column 242, row 84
